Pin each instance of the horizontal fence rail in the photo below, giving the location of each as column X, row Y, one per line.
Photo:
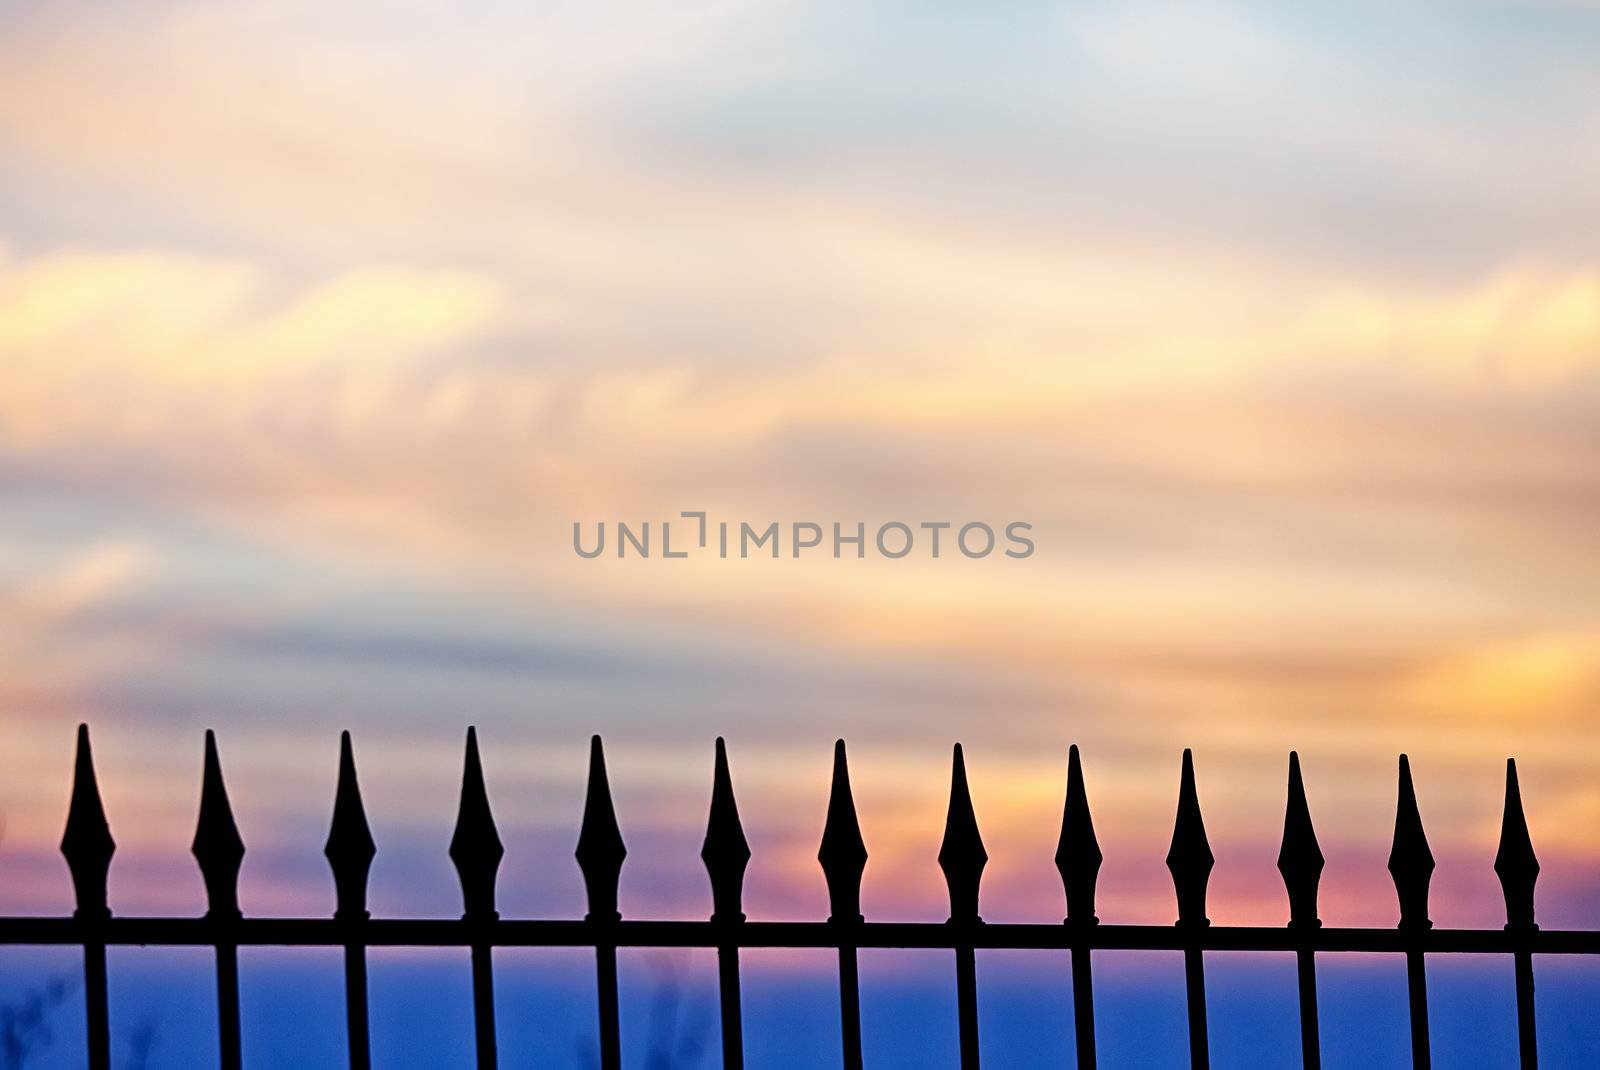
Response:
column 476, row 851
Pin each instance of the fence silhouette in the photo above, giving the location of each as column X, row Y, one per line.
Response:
column 477, row 851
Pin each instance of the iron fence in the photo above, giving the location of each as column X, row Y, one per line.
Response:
column 476, row 851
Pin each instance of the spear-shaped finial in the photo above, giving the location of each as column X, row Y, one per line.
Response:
column 1078, row 855
column 1189, row 858
column 725, row 852
column 1300, row 858
column 217, row 846
column 87, row 844
column 349, row 849
column 1410, row 860
column 843, row 853
column 1515, row 863
column 475, row 848
column 600, row 848
column 961, row 855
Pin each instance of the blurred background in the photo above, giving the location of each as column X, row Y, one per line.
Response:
column 320, row 326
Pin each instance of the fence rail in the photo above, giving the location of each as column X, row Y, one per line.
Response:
column 477, row 851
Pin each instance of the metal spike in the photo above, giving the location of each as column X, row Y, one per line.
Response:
column 1410, row 860
column 1300, row 858
column 349, row 849
column 86, row 843
column 725, row 852
column 843, row 853
column 1515, row 863
column 476, row 848
column 1189, row 859
column 600, row 847
column 961, row 855
column 1078, row 854
column 217, row 846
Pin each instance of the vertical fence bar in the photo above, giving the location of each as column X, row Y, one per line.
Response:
column 1417, row 992
column 483, row 1005
column 228, row 1039
column 967, row 1005
column 1189, row 859
column 355, row 1002
column 1300, row 862
column 726, row 853
column 605, row 964
column 1083, row 1007
column 219, row 851
column 843, row 857
column 962, row 857
column 850, row 1007
column 1310, row 1030
column 1527, row 1034
column 350, row 851
column 476, row 850
column 87, row 846
column 1411, row 866
column 95, row 1003
column 1078, row 860
column 1194, row 977
column 732, row 1014
column 1518, row 869
column 600, row 855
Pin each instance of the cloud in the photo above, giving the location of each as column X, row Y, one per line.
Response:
column 1521, row 328
column 1259, row 428
column 101, row 572
column 115, row 345
column 319, row 327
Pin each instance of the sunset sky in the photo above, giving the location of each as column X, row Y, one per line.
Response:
column 320, row 325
